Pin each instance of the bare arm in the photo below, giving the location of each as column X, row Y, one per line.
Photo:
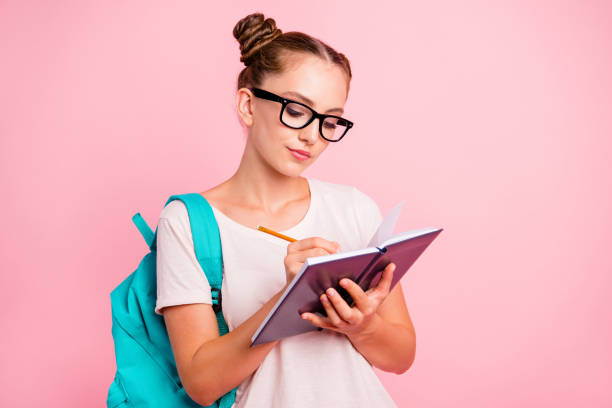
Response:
column 210, row 365
column 391, row 347
column 378, row 326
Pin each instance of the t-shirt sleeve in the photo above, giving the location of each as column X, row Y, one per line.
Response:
column 180, row 278
column 368, row 215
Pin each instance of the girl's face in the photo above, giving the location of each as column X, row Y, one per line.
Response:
column 309, row 80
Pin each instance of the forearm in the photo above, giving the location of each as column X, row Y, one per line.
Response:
column 387, row 346
column 223, row 363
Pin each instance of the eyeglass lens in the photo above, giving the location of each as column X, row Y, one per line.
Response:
column 297, row 116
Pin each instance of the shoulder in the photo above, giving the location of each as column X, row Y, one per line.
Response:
column 344, row 193
column 175, row 212
column 333, row 191
column 175, row 217
column 364, row 200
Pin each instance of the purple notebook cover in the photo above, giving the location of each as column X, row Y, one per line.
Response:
column 363, row 266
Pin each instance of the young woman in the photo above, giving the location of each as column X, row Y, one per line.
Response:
column 290, row 84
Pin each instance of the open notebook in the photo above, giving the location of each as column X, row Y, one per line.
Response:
column 364, row 266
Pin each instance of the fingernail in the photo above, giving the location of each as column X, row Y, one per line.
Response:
column 331, row 292
column 343, row 282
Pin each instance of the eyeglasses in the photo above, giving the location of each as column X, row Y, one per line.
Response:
column 296, row 115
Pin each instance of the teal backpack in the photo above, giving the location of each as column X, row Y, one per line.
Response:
column 146, row 373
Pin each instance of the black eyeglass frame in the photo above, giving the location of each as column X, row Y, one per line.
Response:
column 263, row 94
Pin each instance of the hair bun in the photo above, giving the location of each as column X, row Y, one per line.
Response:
column 253, row 32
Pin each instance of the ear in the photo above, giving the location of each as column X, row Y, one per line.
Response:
column 244, row 106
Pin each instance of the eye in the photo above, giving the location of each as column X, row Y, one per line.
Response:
column 329, row 125
column 294, row 113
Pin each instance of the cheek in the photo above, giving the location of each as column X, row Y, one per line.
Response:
column 271, row 141
column 269, row 127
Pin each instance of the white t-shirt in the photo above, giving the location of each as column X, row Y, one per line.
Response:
column 314, row 369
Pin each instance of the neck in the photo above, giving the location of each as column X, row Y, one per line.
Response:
column 262, row 187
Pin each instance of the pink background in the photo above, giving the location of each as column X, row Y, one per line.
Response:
column 492, row 119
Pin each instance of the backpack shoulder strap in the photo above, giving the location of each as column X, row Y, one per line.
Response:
column 144, row 229
column 205, row 232
column 207, row 245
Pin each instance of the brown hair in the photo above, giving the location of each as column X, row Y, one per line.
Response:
column 264, row 49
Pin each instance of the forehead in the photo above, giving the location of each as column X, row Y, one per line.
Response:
column 321, row 82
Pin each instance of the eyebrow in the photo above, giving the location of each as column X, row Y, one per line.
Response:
column 308, row 101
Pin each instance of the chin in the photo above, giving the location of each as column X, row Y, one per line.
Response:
column 292, row 169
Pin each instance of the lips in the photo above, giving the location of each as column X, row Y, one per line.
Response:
column 302, row 152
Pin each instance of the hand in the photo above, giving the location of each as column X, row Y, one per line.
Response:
column 298, row 251
column 357, row 319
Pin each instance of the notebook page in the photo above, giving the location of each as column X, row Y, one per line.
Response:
column 386, row 227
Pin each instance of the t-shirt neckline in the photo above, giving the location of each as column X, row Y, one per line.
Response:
column 302, row 222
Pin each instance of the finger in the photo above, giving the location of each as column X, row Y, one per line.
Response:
column 332, row 316
column 362, row 302
column 316, row 320
column 301, row 256
column 309, row 253
column 385, row 281
column 343, row 310
column 315, row 242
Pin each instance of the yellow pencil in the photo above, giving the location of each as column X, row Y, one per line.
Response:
column 277, row 234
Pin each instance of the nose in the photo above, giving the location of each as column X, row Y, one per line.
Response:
column 310, row 133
